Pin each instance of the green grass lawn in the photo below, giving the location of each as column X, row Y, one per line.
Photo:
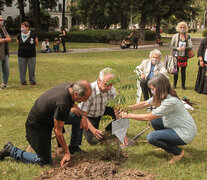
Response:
column 53, row 69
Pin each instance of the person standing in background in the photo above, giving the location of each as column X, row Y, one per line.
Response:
column 62, row 37
column 4, row 54
column 135, row 37
column 180, row 44
column 27, row 41
column 201, row 81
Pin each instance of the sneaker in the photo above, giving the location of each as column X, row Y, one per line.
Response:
column 77, row 149
column 4, row 85
column 6, row 150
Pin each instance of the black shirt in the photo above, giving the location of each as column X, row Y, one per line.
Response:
column 27, row 49
column 53, row 104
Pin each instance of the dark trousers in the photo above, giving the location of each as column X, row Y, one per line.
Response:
column 63, row 43
column 183, row 76
column 135, row 42
column 77, row 132
column 145, row 89
column 95, row 122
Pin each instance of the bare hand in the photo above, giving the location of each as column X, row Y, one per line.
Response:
column 143, row 76
column 123, row 115
column 201, row 63
column 98, row 134
column 65, row 159
column 83, row 123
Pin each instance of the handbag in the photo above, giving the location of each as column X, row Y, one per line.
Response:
column 190, row 53
column 171, row 64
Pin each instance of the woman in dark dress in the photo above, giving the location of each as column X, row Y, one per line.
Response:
column 201, row 82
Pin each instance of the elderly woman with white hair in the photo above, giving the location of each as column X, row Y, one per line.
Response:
column 180, row 44
column 148, row 68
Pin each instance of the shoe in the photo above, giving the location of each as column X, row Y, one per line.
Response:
column 177, row 158
column 6, row 150
column 76, row 149
column 5, row 85
column 33, row 84
column 24, row 84
column 183, row 87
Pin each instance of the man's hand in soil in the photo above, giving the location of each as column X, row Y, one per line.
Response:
column 98, row 134
column 65, row 159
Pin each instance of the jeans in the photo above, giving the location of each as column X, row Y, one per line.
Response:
column 76, row 134
column 25, row 157
column 4, row 65
column 23, row 63
column 165, row 138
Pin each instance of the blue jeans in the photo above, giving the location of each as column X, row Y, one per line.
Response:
column 164, row 138
column 77, row 132
column 25, row 157
column 4, row 65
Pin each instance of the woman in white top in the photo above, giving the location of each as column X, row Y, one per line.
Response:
column 172, row 122
column 180, row 43
column 148, row 68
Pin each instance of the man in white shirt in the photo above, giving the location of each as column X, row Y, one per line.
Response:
column 94, row 108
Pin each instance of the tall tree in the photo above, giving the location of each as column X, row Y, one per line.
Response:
column 35, row 6
column 20, row 5
column 63, row 15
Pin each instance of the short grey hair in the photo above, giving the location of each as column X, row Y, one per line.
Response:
column 79, row 88
column 104, row 72
column 180, row 24
column 155, row 51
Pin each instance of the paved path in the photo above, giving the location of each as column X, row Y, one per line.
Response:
column 166, row 46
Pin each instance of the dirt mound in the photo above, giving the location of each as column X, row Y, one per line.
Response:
column 89, row 167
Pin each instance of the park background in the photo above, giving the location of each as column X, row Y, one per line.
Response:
column 85, row 60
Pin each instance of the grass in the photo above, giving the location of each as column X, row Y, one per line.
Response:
column 53, row 69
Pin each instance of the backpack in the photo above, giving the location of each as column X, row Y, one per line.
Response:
column 171, row 64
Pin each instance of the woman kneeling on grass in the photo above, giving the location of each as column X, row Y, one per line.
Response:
column 171, row 121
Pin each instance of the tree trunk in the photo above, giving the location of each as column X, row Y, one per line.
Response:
column 36, row 12
column 21, row 10
column 63, row 15
column 124, row 21
column 142, row 27
column 158, row 27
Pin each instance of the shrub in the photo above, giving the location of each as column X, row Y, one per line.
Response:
column 192, row 30
column 171, row 30
column 150, row 35
column 95, row 36
column 204, row 33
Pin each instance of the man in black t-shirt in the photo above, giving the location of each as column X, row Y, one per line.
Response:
column 49, row 111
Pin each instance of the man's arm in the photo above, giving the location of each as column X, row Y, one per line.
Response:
column 58, row 126
column 6, row 39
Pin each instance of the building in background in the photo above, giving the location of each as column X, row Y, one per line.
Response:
column 10, row 12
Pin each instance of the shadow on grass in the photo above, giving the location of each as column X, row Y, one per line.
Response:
column 13, row 112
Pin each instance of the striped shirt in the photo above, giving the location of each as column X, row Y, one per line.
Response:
column 96, row 104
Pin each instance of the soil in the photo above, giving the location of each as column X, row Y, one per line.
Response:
column 92, row 166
